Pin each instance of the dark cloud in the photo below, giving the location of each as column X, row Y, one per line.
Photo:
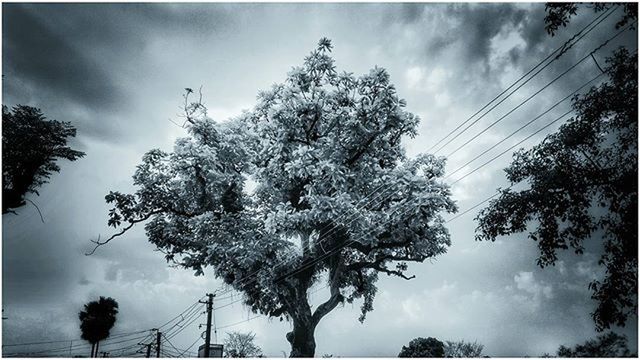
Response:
column 78, row 62
column 46, row 59
column 480, row 24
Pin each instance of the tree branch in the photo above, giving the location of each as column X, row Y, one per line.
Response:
column 37, row 208
column 121, row 232
column 336, row 297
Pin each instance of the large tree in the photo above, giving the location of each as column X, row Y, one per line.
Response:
column 583, row 183
column 96, row 320
column 31, row 146
column 335, row 198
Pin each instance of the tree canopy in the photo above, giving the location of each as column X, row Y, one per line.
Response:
column 241, row 345
column 608, row 345
column 336, row 198
column 463, row 349
column 423, row 348
column 559, row 14
column 31, row 145
column 582, row 183
column 96, row 320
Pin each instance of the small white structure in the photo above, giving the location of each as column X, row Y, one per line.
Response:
column 215, row 351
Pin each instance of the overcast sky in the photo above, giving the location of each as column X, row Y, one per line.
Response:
column 117, row 72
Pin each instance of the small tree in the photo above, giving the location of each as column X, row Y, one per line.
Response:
column 336, row 200
column 424, row 348
column 96, row 321
column 31, row 145
column 463, row 349
column 241, row 345
column 604, row 346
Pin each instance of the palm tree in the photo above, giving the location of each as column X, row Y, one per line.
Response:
column 96, row 320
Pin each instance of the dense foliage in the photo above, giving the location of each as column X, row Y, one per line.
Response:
column 605, row 346
column 583, row 183
column 559, row 13
column 335, row 199
column 31, row 145
column 463, row 349
column 241, row 345
column 96, row 320
column 423, row 348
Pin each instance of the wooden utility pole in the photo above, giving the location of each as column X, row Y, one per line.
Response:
column 148, row 350
column 158, row 340
column 207, row 337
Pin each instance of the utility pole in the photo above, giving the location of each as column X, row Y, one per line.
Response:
column 148, row 350
column 158, row 339
column 207, row 338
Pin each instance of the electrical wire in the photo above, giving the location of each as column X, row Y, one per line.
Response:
column 537, row 92
column 564, row 48
column 523, row 126
column 512, row 147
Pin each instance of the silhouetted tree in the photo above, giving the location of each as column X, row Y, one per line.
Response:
column 590, row 162
column 425, row 348
column 560, row 13
column 96, row 321
column 241, row 345
column 605, row 346
column 463, row 349
column 31, row 145
column 322, row 147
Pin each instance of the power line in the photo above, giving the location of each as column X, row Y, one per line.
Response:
column 165, row 337
column 513, row 146
column 188, row 320
column 562, row 49
column 109, row 341
column 475, row 206
column 84, row 346
column 70, row 340
column 523, row 126
column 193, row 319
column 190, row 346
column 536, row 93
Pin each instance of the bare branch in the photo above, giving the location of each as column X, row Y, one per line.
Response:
column 121, row 232
column 37, row 208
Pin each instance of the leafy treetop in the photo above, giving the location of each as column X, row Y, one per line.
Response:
column 97, row 318
column 31, row 145
column 423, row 348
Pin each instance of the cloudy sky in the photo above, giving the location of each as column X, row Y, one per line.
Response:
column 117, row 72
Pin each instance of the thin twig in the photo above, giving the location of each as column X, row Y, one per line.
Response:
column 37, row 208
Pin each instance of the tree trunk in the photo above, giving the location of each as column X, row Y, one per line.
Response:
column 93, row 349
column 303, row 343
column 97, row 345
column 302, row 339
